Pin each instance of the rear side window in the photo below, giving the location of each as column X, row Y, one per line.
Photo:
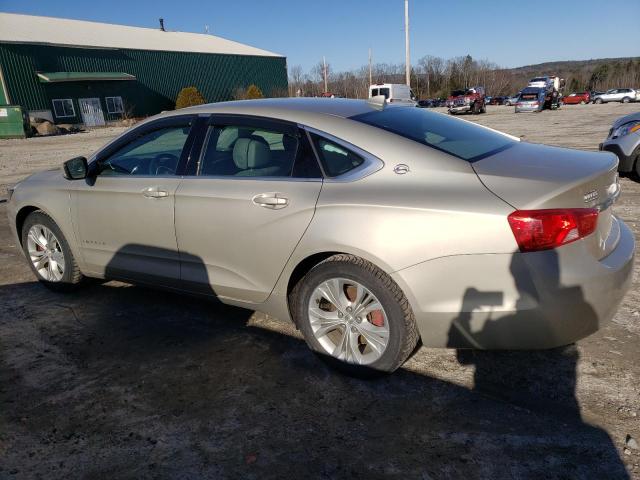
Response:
column 462, row 139
column 247, row 151
column 335, row 158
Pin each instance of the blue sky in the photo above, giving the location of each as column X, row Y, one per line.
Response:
column 508, row 32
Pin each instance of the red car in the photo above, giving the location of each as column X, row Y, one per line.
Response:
column 575, row 98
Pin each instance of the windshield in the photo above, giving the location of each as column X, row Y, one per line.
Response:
column 459, row 138
column 538, row 79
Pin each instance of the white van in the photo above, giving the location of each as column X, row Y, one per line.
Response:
column 393, row 93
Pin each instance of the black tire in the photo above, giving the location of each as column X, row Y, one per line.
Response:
column 598, row 101
column 72, row 277
column 403, row 334
column 626, row 100
column 636, row 164
column 483, row 109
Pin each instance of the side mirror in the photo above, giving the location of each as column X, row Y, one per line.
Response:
column 76, row 168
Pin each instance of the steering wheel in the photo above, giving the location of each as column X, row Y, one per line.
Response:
column 163, row 163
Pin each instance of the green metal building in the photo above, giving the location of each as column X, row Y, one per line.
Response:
column 72, row 71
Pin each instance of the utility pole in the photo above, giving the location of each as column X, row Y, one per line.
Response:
column 324, row 72
column 370, row 75
column 406, row 43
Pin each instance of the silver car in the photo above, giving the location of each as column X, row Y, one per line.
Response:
column 624, row 95
column 371, row 227
column 624, row 141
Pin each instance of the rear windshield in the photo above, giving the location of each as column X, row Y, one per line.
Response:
column 529, row 96
column 462, row 139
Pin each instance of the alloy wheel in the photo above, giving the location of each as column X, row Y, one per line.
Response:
column 45, row 253
column 348, row 321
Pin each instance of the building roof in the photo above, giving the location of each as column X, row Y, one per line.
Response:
column 17, row 28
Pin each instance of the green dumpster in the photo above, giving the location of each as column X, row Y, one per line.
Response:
column 11, row 122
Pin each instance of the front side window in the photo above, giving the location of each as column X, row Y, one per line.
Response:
column 153, row 153
column 63, row 108
column 114, row 104
column 374, row 92
column 462, row 139
column 335, row 158
column 385, row 92
column 248, row 151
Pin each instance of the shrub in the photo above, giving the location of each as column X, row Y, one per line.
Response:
column 188, row 97
column 250, row 93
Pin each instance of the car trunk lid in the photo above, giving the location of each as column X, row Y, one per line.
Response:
column 530, row 176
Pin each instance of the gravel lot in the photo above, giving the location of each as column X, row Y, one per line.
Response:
column 121, row 381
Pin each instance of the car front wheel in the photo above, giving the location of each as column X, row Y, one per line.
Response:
column 48, row 253
column 354, row 316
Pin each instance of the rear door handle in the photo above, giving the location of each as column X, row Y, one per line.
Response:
column 274, row 201
column 155, row 192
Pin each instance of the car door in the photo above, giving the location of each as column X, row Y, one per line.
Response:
column 249, row 200
column 124, row 214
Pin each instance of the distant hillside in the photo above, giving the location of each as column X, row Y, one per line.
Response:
column 599, row 73
column 567, row 65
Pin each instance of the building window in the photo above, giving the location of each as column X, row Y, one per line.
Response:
column 63, row 108
column 114, row 104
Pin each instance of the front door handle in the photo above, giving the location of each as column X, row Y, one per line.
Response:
column 274, row 201
column 155, row 192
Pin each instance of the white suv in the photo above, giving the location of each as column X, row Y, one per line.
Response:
column 624, row 95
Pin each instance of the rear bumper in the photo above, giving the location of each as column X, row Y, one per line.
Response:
column 518, row 301
column 526, row 108
column 624, row 148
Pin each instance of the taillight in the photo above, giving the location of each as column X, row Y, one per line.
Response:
column 544, row 229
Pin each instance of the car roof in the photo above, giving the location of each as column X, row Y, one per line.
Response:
column 285, row 108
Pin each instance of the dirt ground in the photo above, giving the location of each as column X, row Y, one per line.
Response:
column 121, row 381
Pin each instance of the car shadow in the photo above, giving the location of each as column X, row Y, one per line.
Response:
column 127, row 381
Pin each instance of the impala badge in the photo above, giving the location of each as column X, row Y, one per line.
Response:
column 401, row 169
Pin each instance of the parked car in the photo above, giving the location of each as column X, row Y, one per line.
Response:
column 487, row 100
column 397, row 93
column 594, row 93
column 469, row 100
column 531, row 99
column 624, row 95
column 624, row 141
column 497, row 100
column 427, row 103
column 340, row 216
column 577, row 98
column 511, row 100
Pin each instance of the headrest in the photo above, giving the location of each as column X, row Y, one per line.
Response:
column 289, row 143
column 249, row 154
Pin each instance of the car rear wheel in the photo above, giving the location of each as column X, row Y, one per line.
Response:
column 636, row 163
column 48, row 253
column 598, row 101
column 626, row 100
column 354, row 316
